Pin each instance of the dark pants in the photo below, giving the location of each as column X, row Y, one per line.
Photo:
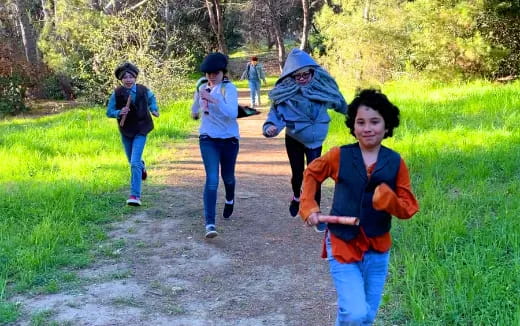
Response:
column 297, row 152
column 217, row 153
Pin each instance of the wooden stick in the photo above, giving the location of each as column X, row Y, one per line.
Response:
column 123, row 118
column 347, row 220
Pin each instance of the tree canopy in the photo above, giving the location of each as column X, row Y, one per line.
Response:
column 76, row 44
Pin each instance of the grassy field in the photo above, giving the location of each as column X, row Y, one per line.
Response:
column 62, row 177
column 457, row 261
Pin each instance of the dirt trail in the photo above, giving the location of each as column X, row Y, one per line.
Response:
column 262, row 269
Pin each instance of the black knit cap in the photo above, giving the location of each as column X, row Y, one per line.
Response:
column 126, row 67
column 214, row 62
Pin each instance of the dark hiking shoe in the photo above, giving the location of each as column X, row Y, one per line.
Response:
column 228, row 210
column 294, row 207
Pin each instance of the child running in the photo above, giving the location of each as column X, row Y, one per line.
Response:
column 301, row 97
column 216, row 103
column 131, row 105
column 372, row 184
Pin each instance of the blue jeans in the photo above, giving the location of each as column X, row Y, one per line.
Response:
column 359, row 286
column 254, row 88
column 134, row 147
column 215, row 152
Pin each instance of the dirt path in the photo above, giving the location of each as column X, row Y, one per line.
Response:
column 262, row 269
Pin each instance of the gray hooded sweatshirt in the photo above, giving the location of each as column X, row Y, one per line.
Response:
column 302, row 110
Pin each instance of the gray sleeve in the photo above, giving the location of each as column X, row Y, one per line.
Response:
column 273, row 119
column 195, row 106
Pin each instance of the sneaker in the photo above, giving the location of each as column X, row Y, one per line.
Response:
column 133, row 201
column 228, row 210
column 211, row 231
column 320, row 227
column 294, row 207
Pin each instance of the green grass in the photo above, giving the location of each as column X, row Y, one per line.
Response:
column 457, row 261
column 62, row 177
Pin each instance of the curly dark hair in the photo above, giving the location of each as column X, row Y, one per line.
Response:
column 378, row 101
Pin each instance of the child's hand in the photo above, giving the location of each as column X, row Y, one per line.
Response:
column 313, row 219
column 195, row 115
column 124, row 110
column 155, row 113
column 207, row 97
column 270, row 131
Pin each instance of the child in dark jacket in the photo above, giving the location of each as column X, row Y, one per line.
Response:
column 131, row 105
column 372, row 184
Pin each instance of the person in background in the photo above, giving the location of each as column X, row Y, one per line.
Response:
column 254, row 73
column 131, row 104
column 216, row 103
column 300, row 100
column 372, row 184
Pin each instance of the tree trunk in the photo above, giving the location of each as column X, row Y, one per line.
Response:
column 48, row 10
column 306, row 26
column 270, row 40
column 278, row 35
column 27, row 32
column 366, row 11
column 216, row 22
column 366, row 18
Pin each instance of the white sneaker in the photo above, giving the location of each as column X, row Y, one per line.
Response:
column 211, row 231
column 133, row 201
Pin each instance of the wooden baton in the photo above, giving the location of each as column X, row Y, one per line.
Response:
column 123, row 118
column 347, row 220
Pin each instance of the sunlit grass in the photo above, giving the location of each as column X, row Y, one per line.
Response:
column 62, row 176
column 457, row 261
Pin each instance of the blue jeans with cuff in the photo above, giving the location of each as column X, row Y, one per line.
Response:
column 254, row 88
column 359, row 286
column 134, row 147
column 218, row 152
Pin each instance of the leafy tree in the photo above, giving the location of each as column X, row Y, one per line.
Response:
column 500, row 24
column 365, row 41
column 89, row 55
column 372, row 40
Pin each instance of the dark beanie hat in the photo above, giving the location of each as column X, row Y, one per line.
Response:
column 214, row 62
column 126, row 67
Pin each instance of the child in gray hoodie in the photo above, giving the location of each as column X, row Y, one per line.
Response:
column 300, row 100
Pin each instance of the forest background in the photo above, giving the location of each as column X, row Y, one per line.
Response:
column 68, row 49
column 450, row 65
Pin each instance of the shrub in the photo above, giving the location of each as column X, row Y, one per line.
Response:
column 12, row 94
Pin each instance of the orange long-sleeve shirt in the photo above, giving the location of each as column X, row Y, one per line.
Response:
column 401, row 203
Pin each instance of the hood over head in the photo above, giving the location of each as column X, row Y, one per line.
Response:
column 296, row 60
